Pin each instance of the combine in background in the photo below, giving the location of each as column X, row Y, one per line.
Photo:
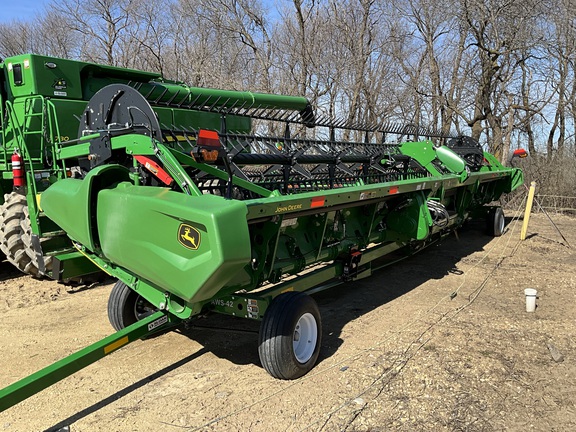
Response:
column 42, row 100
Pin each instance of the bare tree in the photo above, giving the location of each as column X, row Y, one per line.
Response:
column 101, row 23
column 560, row 50
column 499, row 31
column 16, row 37
column 500, row 70
column 54, row 37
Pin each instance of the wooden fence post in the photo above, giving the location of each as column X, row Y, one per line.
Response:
column 528, row 210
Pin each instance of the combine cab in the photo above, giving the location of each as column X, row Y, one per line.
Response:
column 195, row 212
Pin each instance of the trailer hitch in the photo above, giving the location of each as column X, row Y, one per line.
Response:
column 26, row 387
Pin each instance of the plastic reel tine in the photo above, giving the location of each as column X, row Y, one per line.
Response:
column 318, row 120
column 234, row 107
column 288, row 117
column 391, row 128
column 364, row 126
column 178, row 142
column 346, row 124
column 384, row 128
column 271, row 115
column 186, row 137
column 331, row 122
column 405, row 129
column 422, row 131
column 161, row 96
column 321, row 121
column 147, row 95
column 340, row 123
column 260, row 112
column 180, row 102
column 216, row 103
column 242, row 108
column 169, row 102
column 194, row 101
column 399, row 128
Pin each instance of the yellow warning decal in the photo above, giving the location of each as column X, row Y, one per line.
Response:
column 115, row 345
column 188, row 236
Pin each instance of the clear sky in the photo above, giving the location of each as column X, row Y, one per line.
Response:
column 19, row 9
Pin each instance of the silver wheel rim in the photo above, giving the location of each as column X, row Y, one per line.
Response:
column 501, row 223
column 142, row 308
column 305, row 337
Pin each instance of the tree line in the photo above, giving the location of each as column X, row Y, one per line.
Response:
column 501, row 71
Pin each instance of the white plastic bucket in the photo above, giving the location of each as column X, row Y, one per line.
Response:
column 530, row 294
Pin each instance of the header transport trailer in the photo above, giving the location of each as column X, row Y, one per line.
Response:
column 195, row 216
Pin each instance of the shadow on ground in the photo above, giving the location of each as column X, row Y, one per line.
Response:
column 236, row 339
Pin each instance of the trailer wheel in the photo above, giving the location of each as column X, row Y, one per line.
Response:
column 495, row 222
column 126, row 306
column 290, row 336
column 16, row 236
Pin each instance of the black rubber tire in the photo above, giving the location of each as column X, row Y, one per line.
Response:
column 495, row 222
column 16, row 236
column 126, row 306
column 27, row 240
column 279, row 332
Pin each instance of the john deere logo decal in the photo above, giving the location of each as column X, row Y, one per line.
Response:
column 188, row 236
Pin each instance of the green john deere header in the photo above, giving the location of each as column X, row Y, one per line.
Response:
column 192, row 212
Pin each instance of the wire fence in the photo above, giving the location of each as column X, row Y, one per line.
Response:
column 543, row 202
column 556, row 203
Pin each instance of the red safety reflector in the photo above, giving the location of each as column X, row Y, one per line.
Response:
column 521, row 153
column 155, row 169
column 317, row 202
column 208, row 138
column 393, row 190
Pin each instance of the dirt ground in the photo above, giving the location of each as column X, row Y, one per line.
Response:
column 440, row 341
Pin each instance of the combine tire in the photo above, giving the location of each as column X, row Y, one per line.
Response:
column 16, row 236
column 125, row 306
column 495, row 222
column 290, row 336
